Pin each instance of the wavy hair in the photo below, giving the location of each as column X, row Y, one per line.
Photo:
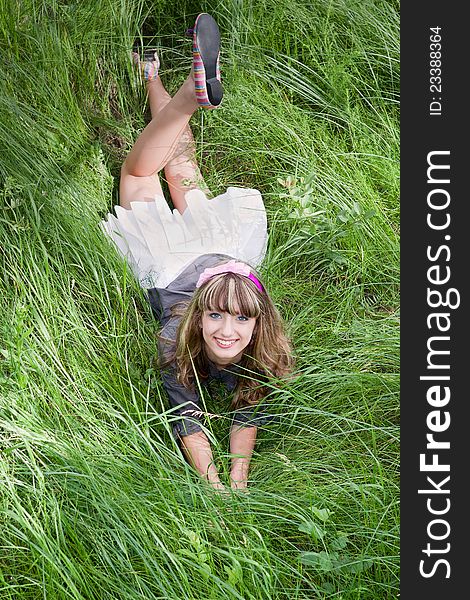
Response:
column 269, row 353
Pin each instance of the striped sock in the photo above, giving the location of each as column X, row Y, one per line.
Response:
column 148, row 68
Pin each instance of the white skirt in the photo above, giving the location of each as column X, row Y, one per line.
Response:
column 159, row 243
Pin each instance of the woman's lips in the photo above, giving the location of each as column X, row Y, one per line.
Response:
column 225, row 343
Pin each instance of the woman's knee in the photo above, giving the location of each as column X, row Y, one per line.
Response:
column 134, row 187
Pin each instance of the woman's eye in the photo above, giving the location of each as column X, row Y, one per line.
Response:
column 214, row 315
column 242, row 318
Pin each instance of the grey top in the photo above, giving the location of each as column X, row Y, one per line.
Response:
column 187, row 411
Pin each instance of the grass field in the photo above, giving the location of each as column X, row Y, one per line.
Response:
column 96, row 500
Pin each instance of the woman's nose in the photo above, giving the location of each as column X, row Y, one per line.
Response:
column 227, row 326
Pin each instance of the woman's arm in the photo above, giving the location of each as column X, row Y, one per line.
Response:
column 242, row 444
column 198, row 450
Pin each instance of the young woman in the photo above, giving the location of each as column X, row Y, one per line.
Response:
column 198, row 264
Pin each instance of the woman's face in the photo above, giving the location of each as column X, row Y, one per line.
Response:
column 226, row 336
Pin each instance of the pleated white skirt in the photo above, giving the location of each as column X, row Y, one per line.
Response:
column 159, row 243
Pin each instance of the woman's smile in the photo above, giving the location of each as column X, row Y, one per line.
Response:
column 225, row 343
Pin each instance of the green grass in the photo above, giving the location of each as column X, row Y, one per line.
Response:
column 96, row 501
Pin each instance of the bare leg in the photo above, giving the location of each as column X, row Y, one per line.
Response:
column 182, row 172
column 156, row 145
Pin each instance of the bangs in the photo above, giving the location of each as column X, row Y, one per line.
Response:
column 231, row 293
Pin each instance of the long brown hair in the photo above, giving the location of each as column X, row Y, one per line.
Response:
column 267, row 356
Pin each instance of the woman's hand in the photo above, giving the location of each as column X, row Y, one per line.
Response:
column 237, row 482
column 198, row 450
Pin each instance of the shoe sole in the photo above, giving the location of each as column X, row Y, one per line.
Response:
column 208, row 42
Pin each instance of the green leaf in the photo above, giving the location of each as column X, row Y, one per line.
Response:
column 340, row 542
column 356, row 208
column 359, row 565
column 194, row 538
column 235, row 573
column 314, row 530
column 322, row 560
column 206, row 570
column 322, row 513
column 348, row 564
column 187, row 553
column 311, row 212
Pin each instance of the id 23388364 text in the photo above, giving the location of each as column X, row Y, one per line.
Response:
column 435, row 71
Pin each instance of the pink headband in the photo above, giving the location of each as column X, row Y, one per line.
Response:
column 230, row 267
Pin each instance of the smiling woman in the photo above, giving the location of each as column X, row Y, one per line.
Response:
column 202, row 253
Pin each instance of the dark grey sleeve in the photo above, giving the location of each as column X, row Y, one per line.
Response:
column 186, row 415
column 253, row 416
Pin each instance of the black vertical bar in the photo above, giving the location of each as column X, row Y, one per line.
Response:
column 434, row 527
